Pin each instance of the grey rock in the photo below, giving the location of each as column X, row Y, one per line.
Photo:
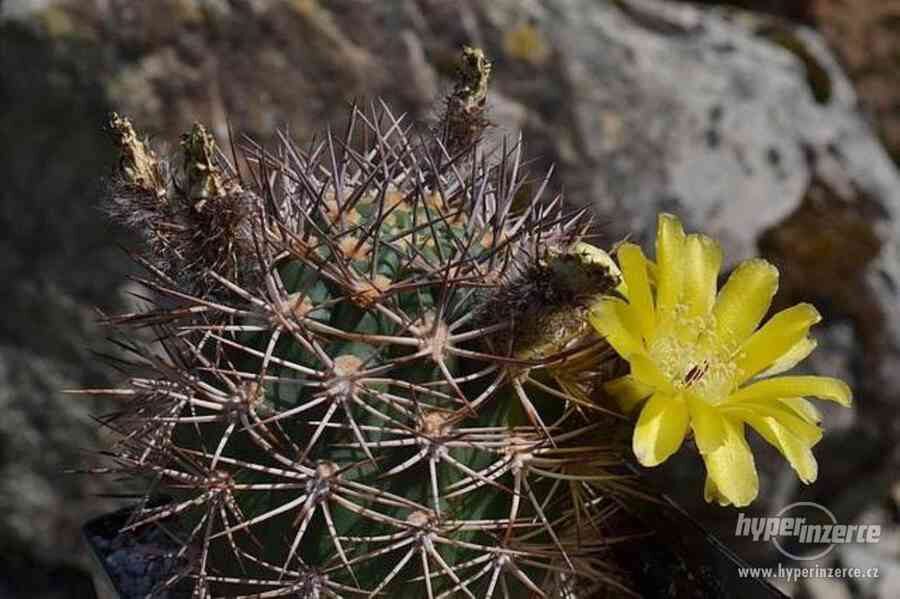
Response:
column 698, row 112
column 57, row 260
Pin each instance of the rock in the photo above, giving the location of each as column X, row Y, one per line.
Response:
column 864, row 35
column 734, row 150
column 58, row 261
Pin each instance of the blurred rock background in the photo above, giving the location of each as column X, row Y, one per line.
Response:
column 770, row 125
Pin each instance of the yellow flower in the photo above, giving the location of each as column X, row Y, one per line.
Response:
column 701, row 363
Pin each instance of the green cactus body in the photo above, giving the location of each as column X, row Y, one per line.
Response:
column 382, row 385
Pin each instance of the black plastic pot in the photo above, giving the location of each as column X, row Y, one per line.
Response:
column 680, row 559
column 132, row 564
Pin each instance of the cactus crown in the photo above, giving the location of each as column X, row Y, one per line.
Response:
column 376, row 377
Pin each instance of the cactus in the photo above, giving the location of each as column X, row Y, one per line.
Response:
column 372, row 373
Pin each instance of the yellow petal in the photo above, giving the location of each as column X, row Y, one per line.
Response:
column 791, row 358
column 670, row 264
column 702, row 258
column 707, row 424
column 792, row 447
column 640, row 301
column 631, row 320
column 628, row 392
column 645, row 371
column 810, row 433
column 731, row 468
column 744, row 300
column 803, row 408
column 823, row 387
column 660, row 429
column 711, row 493
column 776, row 338
column 652, row 273
column 606, row 318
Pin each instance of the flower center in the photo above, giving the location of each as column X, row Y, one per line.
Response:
column 694, row 358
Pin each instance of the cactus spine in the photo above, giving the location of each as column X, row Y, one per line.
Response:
column 373, row 376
